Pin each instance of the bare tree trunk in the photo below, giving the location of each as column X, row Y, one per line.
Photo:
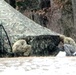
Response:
column 74, row 11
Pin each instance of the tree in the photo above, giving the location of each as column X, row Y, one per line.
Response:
column 12, row 3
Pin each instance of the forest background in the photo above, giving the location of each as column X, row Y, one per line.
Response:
column 57, row 15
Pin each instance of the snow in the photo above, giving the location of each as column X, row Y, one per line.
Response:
column 38, row 66
column 61, row 54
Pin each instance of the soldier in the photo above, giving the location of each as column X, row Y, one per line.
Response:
column 32, row 14
column 70, row 50
column 40, row 17
column 45, row 20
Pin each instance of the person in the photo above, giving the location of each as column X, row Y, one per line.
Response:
column 32, row 14
column 45, row 21
column 70, row 50
column 43, row 18
column 40, row 14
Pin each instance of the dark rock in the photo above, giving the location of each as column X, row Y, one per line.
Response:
column 43, row 45
column 69, row 50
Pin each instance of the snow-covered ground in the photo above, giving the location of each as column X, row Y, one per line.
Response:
column 38, row 66
column 61, row 54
